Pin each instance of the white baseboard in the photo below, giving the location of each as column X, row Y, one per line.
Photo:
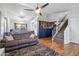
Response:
column 66, row 42
column 72, row 42
column 77, row 42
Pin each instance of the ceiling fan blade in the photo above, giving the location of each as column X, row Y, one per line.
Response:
column 44, row 5
column 29, row 9
column 61, row 11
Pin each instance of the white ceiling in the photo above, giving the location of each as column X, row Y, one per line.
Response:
column 13, row 10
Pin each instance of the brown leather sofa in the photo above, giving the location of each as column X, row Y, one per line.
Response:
column 20, row 40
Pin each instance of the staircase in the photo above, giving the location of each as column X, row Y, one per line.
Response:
column 60, row 25
column 59, row 35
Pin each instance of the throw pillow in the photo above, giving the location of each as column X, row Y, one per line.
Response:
column 32, row 36
column 9, row 38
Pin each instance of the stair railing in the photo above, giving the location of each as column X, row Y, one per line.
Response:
column 59, row 25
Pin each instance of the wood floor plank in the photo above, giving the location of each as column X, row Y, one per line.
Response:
column 71, row 49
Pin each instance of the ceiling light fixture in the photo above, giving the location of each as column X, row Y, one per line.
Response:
column 38, row 11
column 22, row 15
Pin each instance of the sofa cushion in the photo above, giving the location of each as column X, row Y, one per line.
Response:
column 16, row 36
column 17, row 42
column 22, row 35
column 27, row 40
column 11, row 43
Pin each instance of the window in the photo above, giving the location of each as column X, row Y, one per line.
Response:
column 20, row 26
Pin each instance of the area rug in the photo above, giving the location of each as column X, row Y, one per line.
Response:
column 36, row 50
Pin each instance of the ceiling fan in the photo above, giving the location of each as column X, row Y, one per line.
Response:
column 38, row 10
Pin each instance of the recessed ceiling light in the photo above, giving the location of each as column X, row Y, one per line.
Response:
column 22, row 15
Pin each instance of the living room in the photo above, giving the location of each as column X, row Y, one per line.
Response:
column 38, row 29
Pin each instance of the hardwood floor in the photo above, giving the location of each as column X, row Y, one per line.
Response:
column 59, row 47
column 57, row 43
column 71, row 49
